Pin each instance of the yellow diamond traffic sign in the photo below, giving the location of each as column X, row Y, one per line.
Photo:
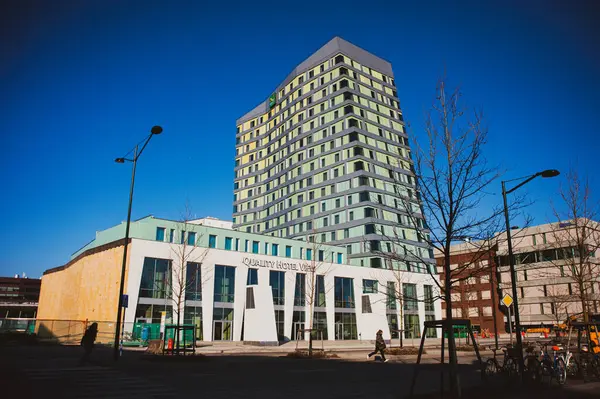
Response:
column 507, row 300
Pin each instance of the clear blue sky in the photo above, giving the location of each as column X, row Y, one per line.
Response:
column 83, row 81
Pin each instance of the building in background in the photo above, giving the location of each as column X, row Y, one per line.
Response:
column 326, row 158
column 475, row 296
column 19, row 297
column 236, row 286
column 547, row 291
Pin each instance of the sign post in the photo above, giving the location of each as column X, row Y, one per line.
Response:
column 125, row 302
column 163, row 321
column 508, row 301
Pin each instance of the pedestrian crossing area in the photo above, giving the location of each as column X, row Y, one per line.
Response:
column 90, row 382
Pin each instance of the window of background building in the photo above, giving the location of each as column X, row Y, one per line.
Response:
column 160, row 234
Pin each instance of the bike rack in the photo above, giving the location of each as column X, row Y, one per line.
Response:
column 446, row 328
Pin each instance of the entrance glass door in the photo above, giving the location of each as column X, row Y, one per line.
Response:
column 217, row 330
column 298, row 335
column 345, row 326
column 339, row 331
column 227, row 331
column 222, row 330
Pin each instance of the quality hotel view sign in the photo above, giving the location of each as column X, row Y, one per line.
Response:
column 277, row 264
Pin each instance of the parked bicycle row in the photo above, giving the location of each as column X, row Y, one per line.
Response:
column 544, row 362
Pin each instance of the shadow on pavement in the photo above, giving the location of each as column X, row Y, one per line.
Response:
column 35, row 371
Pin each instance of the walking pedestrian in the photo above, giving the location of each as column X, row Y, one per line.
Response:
column 379, row 346
column 87, row 341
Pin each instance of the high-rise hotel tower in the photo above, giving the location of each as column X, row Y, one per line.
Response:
column 326, row 158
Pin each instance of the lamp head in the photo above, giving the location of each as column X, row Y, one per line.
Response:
column 550, row 173
column 120, row 160
column 156, row 130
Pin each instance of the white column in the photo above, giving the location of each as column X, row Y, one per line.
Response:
column 208, row 295
column 239, row 302
column 357, row 285
column 421, row 306
column 290, row 288
column 330, row 302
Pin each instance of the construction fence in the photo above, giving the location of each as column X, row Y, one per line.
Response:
column 71, row 331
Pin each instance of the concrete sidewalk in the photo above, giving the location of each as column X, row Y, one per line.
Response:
column 224, row 347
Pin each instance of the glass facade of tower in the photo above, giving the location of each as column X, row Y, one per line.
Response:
column 326, row 159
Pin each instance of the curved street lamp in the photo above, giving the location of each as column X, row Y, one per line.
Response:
column 513, row 275
column 156, row 130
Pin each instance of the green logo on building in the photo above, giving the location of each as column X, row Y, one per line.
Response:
column 272, row 100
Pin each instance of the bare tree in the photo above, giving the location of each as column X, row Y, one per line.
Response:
column 392, row 285
column 186, row 273
column 559, row 300
column 452, row 178
column 576, row 240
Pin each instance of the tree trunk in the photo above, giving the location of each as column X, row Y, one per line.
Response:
column 177, row 329
column 401, row 326
column 583, row 299
column 310, row 332
column 454, row 380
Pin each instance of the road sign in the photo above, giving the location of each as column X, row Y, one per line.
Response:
column 507, row 300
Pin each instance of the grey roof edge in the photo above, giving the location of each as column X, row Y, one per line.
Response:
column 332, row 47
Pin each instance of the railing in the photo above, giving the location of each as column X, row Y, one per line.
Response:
column 17, row 325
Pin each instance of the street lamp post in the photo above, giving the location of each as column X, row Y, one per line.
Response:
column 154, row 131
column 511, row 260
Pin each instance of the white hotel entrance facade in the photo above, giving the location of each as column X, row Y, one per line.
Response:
column 266, row 299
column 238, row 286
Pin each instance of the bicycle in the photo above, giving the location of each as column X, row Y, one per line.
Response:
column 572, row 364
column 509, row 365
column 589, row 363
column 553, row 367
column 533, row 367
